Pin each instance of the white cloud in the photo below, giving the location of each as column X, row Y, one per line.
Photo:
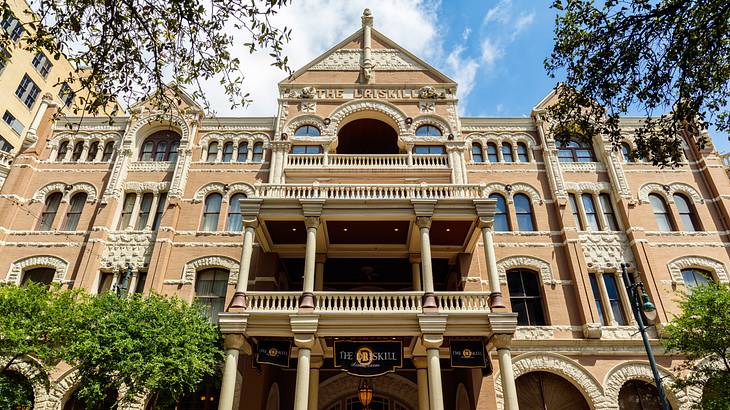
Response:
column 500, row 27
column 523, row 22
column 463, row 71
column 501, row 12
column 318, row 25
column 492, row 50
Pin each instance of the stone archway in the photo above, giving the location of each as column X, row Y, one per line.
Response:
column 390, row 385
column 367, row 136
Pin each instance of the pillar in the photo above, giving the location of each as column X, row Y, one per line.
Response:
column 233, row 345
column 495, row 295
column 416, row 272
column 625, row 300
column 312, row 223
column 506, row 372
column 435, row 388
column 314, row 364
column 46, row 101
column 135, row 211
column 429, row 299
column 608, row 312
column 301, row 392
column 239, row 298
column 319, row 272
column 421, row 365
column 153, row 211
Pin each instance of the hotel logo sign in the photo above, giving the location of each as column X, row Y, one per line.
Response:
column 467, row 353
column 368, row 358
column 276, row 352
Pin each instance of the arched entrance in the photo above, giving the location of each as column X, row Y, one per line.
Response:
column 16, row 392
column 547, row 391
column 390, row 392
column 75, row 403
column 367, row 136
column 638, row 395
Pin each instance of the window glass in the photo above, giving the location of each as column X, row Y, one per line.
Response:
column 62, row 149
column 13, row 27
column 575, row 151
column 159, row 211
column 211, row 212
column 695, row 277
column 687, row 214
column 160, row 150
column 105, row 282
column 78, row 149
column 614, row 299
column 5, row 146
column 429, row 149
column 258, row 152
column 492, row 152
column 525, row 297
column 210, row 291
column 13, row 122
column 476, row 152
column 507, row 152
column 307, row 131
column 42, row 64
column 242, row 152
column 76, row 205
column 574, row 210
column 127, row 209
column 523, row 211
column 608, row 211
column 306, row 149
column 160, row 146
column 661, row 215
column 49, row 211
column 144, row 210
column 93, row 150
column 27, row 91
column 212, row 152
column 501, row 220
column 39, row 275
column 522, row 152
column 234, row 222
column 428, row 130
column 597, row 299
column 147, row 151
column 590, row 210
column 172, row 155
column 227, row 152
column 66, row 94
column 626, row 152
column 108, row 151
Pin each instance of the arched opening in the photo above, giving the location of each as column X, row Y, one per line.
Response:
column 638, row 395
column 16, row 391
column 547, row 391
column 42, row 276
column 205, row 397
column 367, row 136
column 76, row 403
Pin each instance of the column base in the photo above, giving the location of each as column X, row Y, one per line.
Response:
column 238, row 301
column 429, row 300
column 495, row 301
column 307, row 301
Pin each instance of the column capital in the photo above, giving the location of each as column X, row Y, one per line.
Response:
column 423, row 207
column 311, row 221
column 250, row 208
column 420, row 362
column 236, row 341
column 432, row 341
column 414, row 258
column 316, row 362
column 304, row 340
column 501, row 340
column 423, row 222
column 312, row 207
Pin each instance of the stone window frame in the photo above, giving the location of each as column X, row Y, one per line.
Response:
column 226, row 191
column 236, row 139
column 19, row 267
column 67, row 191
column 498, row 139
column 595, row 189
column 713, row 266
column 87, row 139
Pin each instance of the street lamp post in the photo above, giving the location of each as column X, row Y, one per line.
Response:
column 640, row 303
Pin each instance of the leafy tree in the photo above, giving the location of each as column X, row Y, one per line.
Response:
column 649, row 55
column 129, row 48
column 139, row 345
column 702, row 333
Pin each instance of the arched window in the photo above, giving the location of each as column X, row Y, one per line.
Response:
column 507, row 152
column 626, row 152
column 687, row 213
column 661, row 214
column 211, row 212
column 307, row 131
column 501, row 220
column 611, row 220
column 590, row 210
column 544, row 390
column 428, row 130
column 227, row 152
column 212, row 151
column 127, row 208
column 523, row 210
column 74, row 211
column 108, row 151
column 639, row 395
column 242, row 151
column 234, row 222
column 525, row 297
column 258, row 152
column 145, row 207
column 78, row 149
column 476, row 152
column 696, row 277
column 39, row 275
column 576, row 151
column 93, row 150
column 492, row 152
column 49, row 211
column 160, row 146
column 210, row 291
column 62, row 149
column 574, row 210
column 522, row 152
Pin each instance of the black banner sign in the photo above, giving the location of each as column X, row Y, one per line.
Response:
column 368, row 358
column 467, row 353
column 274, row 352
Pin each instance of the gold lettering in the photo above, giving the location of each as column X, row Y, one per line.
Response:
column 320, row 93
column 392, row 94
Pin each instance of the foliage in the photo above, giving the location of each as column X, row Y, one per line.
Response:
column 130, row 48
column 702, row 333
column 650, row 55
column 15, row 391
column 143, row 344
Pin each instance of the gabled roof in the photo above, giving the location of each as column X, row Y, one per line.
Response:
column 380, row 37
column 171, row 89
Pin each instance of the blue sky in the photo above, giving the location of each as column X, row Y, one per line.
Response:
column 494, row 49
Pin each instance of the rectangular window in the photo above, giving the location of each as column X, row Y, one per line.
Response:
column 13, row 122
column 608, row 212
column 27, row 91
column 4, row 58
column 42, row 64
column 66, row 95
column 105, row 282
column 429, row 149
column 591, row 215
column 141, row 279
column 614, row 300
column 159, row 211
column 127, row 208
column 306, row 149
column 144, row 211
column 13, row 27
column 5, row 145
column 574, row 210
column 597, row 298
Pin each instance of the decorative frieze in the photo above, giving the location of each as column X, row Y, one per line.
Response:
column 668, row 191
column 127, row 248
column 382, row 59
column 605, row 250
column 699, row 262
column 17, row 268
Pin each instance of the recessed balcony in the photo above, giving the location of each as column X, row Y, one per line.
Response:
column 371, row 162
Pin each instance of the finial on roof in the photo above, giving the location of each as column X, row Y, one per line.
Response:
column 367, row 18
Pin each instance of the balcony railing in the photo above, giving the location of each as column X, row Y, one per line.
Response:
column 367, row 302
column 6, row 159
column 371, row 191
column 368, row 161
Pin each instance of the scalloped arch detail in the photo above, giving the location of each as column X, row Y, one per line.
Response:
column 207, row 189
column 529, row 262
column 702, row 262
column 17, row 268
column 675, row 187
column 241, row 188
column 392, row 385
column 635, row 370
column 301, row 120
column 31, row 374
column 354, row 106
column 85, row 187
column 517, row 188
column 218, row 261
column 433, row 120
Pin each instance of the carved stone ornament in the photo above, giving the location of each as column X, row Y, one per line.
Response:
column 308, row 93
column 15, row 273
column 606, row 250
column 429, row 93
column 528, row 262
column 699, row 262
column 127, row 248
column 352, row 60
column 308, row 106
column 427, row 106
column 634, row 370
column 676, row 187
column 196, row 265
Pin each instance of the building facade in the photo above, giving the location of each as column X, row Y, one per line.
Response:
column 369, row 230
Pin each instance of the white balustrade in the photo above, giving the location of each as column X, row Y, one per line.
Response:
column 463, row 301
column 6, row 159
column 369, row 302
column 370, row 161
column 372, row 191
column 273, row 302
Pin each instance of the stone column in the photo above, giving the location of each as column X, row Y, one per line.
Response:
column 429, row 298
column 153, row 211
column 30, row 134
column 319, row 271
column 135, row 211
column 84, row 151
column 625, row 300
column 416, row 272
column 509, row 389
column 315, row 364
column 249, row 215
column 485, row 211
column 435, row 389
column 233, row 345
column 312, row 224
column 69, row 150
column 421, row 365
column 100, row 151
column 301, row 392
column 610, row 320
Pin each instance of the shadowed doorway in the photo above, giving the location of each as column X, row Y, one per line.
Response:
column 367, row 136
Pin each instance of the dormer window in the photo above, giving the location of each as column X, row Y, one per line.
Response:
column 576, row 151
column 307, row 131
column 160, row 146
column 428, row 130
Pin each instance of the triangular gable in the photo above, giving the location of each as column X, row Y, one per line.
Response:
column 172, row 91
column 387, row 56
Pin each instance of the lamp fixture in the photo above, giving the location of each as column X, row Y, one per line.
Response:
column 365, row 393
